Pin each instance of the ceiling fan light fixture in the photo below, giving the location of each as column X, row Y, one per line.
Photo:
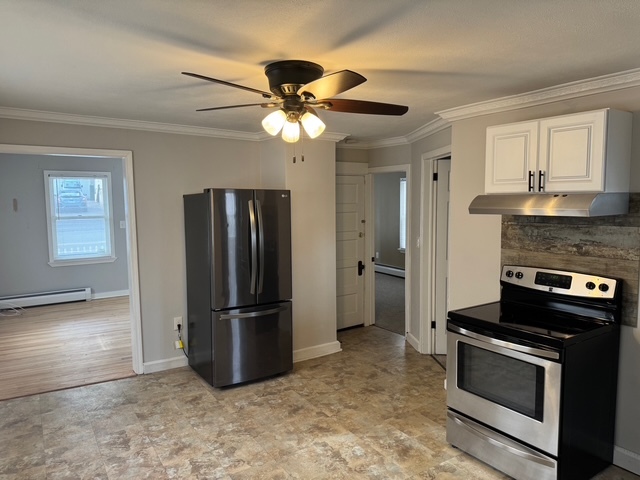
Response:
column 312, row 125
column 291, row 132
column 274, row 122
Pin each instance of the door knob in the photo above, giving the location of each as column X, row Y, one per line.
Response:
column 360, row 268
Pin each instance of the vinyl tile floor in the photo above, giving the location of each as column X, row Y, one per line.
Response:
column 375, row 410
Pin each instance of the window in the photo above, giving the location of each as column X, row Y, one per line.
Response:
column 403, row 214
column 79, row 220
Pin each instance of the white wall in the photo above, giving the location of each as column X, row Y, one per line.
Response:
column 166, row 166
column 474, row 241
column 313, row 238
column 313, row 219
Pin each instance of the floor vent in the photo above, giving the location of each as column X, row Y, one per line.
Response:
column 46, row 298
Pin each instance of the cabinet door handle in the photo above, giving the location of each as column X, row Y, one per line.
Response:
column 540, row 181
column 531, row 180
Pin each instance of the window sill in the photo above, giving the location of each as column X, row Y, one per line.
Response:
column 82, row 261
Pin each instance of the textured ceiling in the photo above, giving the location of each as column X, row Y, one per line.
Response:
column 122, row 58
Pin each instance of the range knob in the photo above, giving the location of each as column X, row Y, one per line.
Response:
column 590, row 285
column 603, row 287
column 519, row 275
column 509, row 273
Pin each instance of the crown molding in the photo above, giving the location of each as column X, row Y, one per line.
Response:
column 430, row 128
column 87, row 120
column 580, row 88
column 434, row 126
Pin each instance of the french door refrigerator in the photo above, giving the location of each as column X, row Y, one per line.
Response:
column 238, row 252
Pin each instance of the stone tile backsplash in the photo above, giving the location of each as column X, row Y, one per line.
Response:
column 607, row 246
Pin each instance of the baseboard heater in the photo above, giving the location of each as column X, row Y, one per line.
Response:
column 396, row 272
column 46, row 298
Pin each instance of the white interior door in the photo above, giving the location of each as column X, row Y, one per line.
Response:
column 349, row 250
column 442, row 253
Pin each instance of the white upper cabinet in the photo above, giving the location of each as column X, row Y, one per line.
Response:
column 512, row 156
column 583, row 152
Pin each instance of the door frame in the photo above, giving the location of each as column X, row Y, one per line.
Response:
column 428, row 251
column 370, row 297
column 131, row 232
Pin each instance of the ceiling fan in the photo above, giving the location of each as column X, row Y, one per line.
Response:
column 297, row 89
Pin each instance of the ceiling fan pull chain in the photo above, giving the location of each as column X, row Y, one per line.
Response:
column 302, row 147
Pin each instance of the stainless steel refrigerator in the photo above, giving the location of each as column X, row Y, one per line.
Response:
column 238, row 252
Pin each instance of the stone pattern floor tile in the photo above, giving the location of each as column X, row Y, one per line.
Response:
column 376, row 410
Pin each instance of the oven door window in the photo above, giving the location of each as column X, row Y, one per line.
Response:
column 509, row 382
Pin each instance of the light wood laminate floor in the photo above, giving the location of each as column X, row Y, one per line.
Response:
column 67, row 345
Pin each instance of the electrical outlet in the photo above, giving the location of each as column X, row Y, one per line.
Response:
column 177, row 321
column 178, row 344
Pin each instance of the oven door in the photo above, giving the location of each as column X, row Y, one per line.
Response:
column 497, row 383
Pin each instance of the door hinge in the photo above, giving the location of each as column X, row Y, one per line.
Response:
column 435, row 176
column 433, row 325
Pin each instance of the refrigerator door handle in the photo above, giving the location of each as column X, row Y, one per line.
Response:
column 262, row 313
column 260, row 246
column 254, row 247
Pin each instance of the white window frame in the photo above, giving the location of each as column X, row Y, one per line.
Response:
column 54, row 261
column 402, row 240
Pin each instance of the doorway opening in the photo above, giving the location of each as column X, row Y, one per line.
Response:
column 436, row 169
column 125, row 225
column 389, row 249
column 390, row 221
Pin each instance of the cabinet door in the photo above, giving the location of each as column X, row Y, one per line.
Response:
column 511, row 153
column 572, row 152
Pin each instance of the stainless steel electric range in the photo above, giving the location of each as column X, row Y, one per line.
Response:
column 532, row 379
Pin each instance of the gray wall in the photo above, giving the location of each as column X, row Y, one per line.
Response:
column 166, row 166
column 475, row 240
column 23, row 238
column 387, row 219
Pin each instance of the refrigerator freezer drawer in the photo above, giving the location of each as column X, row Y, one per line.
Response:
column 251, row 343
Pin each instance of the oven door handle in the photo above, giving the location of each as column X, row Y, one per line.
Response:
column 497, row 443
column 501, row 343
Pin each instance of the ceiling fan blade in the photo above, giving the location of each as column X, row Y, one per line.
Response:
column 263, row 105
column 229, row 84
column 332, row 84
column 361, row 106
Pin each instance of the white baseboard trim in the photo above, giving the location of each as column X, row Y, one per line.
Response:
column 166, row 364
column 626, row 459
column 115, row 293
column 298, row 356
column 414, row 342
column 316, row 351
column 396, row 272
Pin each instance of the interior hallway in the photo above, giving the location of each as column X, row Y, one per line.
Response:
column 374, row 411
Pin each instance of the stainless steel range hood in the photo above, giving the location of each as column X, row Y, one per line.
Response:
column 552, row 204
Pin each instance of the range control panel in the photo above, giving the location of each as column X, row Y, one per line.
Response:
column 558, row 281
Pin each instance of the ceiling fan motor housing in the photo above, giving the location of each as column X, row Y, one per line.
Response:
column 286, row 77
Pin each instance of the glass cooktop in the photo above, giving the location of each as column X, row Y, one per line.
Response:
column 536, row 325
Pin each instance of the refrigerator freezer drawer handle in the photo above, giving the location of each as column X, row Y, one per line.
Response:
column 262, row 313
column 260, row 246
column 254, row 247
